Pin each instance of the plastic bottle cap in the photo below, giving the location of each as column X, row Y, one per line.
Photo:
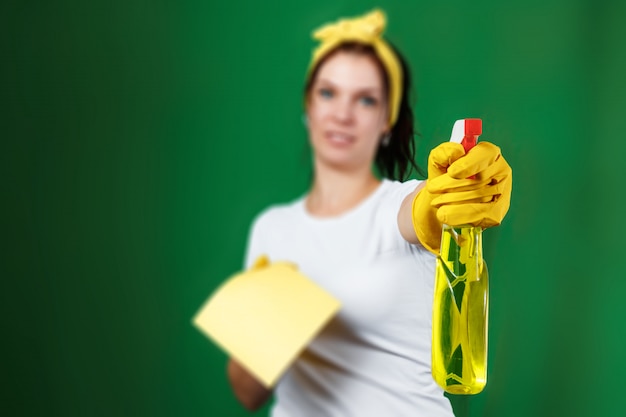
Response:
column 473, row 127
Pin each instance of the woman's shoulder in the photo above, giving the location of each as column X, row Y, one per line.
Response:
column 278, row 214
column 398, row 190
column 395, row 184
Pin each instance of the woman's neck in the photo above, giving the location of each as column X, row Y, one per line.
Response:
column 335, row 192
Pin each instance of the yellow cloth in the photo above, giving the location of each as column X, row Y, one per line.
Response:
column 368, row 30
column 453, row 198
column 264, row 317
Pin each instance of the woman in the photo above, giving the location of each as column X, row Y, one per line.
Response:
column 366, row 240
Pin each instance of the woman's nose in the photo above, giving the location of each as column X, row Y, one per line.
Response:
column 344, row 111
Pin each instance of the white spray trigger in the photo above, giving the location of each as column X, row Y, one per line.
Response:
column 458, row 131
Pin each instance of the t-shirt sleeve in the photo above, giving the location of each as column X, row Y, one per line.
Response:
column 254, row 247
column 400, row 191
column 258, row 237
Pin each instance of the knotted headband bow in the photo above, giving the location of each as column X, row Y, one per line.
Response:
column 367, row 30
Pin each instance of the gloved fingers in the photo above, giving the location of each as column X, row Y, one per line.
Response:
column 446, row 184
column 478, row 159
column 477, row 214
column 260, row 262
column 476, row 188
column 495, row 190
column 481, row 195
column 442, row 156
column 263, row 261
column 499, row 171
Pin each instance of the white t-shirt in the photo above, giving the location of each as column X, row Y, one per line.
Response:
column 373, row 358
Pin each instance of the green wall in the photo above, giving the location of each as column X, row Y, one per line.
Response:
column 139, row 139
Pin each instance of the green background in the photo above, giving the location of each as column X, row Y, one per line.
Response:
column 140, row 138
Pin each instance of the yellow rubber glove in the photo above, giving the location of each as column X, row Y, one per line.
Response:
column 475, row 190
column 425, row 222
column 472, row 189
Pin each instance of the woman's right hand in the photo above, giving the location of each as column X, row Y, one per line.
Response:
column 475, row 189
column 462, row 189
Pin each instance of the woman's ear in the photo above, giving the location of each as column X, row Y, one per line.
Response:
column 385, row 139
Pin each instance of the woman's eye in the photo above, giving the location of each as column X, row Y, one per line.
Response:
column 369, row 101
column 325, row 92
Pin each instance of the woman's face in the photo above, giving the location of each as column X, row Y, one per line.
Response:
column 347, row 111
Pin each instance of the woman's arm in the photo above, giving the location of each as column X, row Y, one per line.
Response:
column 405, row 216
column 250, row 392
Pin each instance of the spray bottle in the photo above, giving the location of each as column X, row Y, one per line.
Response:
column 461, row 303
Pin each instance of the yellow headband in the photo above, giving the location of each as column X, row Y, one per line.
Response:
column 367, row 30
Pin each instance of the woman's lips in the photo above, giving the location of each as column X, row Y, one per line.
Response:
column 340, row 138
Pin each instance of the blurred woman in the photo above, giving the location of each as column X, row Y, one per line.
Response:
column 368, row 236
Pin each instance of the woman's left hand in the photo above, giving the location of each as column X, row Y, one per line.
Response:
column 475, row 190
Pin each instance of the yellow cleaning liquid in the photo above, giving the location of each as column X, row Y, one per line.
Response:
column 460, row 310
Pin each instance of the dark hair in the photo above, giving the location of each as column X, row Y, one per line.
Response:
column 397, row 159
